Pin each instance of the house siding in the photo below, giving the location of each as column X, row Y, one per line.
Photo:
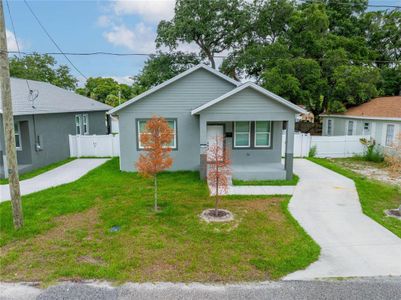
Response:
column 54, row 130
column 173, row 101
column 378, row 127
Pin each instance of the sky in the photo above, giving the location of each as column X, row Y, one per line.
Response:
column 96, row 25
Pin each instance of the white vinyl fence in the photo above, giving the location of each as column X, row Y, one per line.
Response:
column 94, row 145
column 327, row 146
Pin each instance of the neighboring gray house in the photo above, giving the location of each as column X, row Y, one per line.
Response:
column 42, row 126
column 379, row 118
column 202, row 103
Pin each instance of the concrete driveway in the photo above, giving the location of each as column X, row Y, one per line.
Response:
column 326, row 205
column 66, row 173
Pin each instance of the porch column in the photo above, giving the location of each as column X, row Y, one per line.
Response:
column 289, row 149
column 203, row 147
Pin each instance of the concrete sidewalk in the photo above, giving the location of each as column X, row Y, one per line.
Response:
column 327, row 206
column 66, row 173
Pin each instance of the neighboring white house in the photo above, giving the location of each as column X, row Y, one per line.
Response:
column 379, row 118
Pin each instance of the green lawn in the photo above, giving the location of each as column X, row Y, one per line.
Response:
column 40, row 170
column 375, row 196
column 67, row 233
column 293, row 181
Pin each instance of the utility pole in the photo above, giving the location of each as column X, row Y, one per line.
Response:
column 8, row 123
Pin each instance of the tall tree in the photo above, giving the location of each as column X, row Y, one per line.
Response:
column 155, row 139
column 213, row 25
column 106, row 90
column 42, row 68
column 163, row 66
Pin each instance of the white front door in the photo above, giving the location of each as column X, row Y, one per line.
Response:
column 215, row 134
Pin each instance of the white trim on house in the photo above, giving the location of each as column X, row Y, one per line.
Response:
column 17, row 132
column 348, row 128
column 255, row 87
column 167, row 82
column 362, row 117
column 268, row 133
column 78, row 124
column 85, row 124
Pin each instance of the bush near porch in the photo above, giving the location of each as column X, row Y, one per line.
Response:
column 67, row 233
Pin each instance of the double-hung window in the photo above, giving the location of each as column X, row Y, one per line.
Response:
column 329, row 127
column 85, row 124
column 390, row 134
column 366, row 128
column 141, row 125
column 17, row 131
column 82, row 124
column 350, row 130
column 78, row 127
column 262, row 134
column 242, row 134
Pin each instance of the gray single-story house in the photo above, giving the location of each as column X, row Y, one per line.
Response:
column 380, row 118
column 43, row 120
column 201, row 103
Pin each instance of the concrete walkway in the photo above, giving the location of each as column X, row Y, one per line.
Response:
column 326, row 205
column 66, row 173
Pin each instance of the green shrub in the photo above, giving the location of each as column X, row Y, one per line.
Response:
column 312, row 151
column 372, row 151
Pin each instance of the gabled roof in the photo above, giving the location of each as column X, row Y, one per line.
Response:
column 175, row 78
column 377, row 108
column 254, row 86
column 50, row 99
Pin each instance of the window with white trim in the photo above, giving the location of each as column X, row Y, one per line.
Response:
column 390, row 134
column 329, row 127
column 242, row 134
column 262, row 134
column 141, row 130
column 350, row 129
column 17, row 132
column 366, row 128
column 85, row 124
column 78, row 127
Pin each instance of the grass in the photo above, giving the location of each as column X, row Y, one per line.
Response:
column 375, row 196
column 293, row 181
column 40, row 170
column 67, row 233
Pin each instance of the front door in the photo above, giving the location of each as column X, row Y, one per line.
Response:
column 215, row 134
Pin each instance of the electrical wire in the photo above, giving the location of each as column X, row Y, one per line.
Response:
column 51, row 39
column 17, row 43
column 216, row 56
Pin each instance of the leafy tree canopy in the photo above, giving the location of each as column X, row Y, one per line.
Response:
column 106, row 90
column 42, row 68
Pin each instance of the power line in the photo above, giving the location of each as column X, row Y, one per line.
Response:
column 352, row 4
column 16, row 41
column 99, row 53
column 53, row 41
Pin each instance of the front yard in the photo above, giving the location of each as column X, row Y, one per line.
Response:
column 375, row 196
column 67, row 233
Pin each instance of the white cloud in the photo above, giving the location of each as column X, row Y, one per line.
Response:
column 141, row 38
column 12, row 42
column 103, row 21
column 149, row 10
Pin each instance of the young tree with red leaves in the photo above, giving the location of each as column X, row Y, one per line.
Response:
column 155, row 139
column 219, row 170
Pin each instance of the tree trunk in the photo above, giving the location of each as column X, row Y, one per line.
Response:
column 155, row 192
column 8, row 121
column 216, row 203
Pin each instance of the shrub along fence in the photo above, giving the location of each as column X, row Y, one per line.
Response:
column 326, row 146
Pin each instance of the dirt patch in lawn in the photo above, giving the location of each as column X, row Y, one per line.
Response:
column 376, row 171
column 31, row 256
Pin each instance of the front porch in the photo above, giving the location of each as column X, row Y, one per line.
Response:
column 258, row 171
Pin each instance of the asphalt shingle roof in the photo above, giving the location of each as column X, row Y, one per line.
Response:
column 51, row 99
